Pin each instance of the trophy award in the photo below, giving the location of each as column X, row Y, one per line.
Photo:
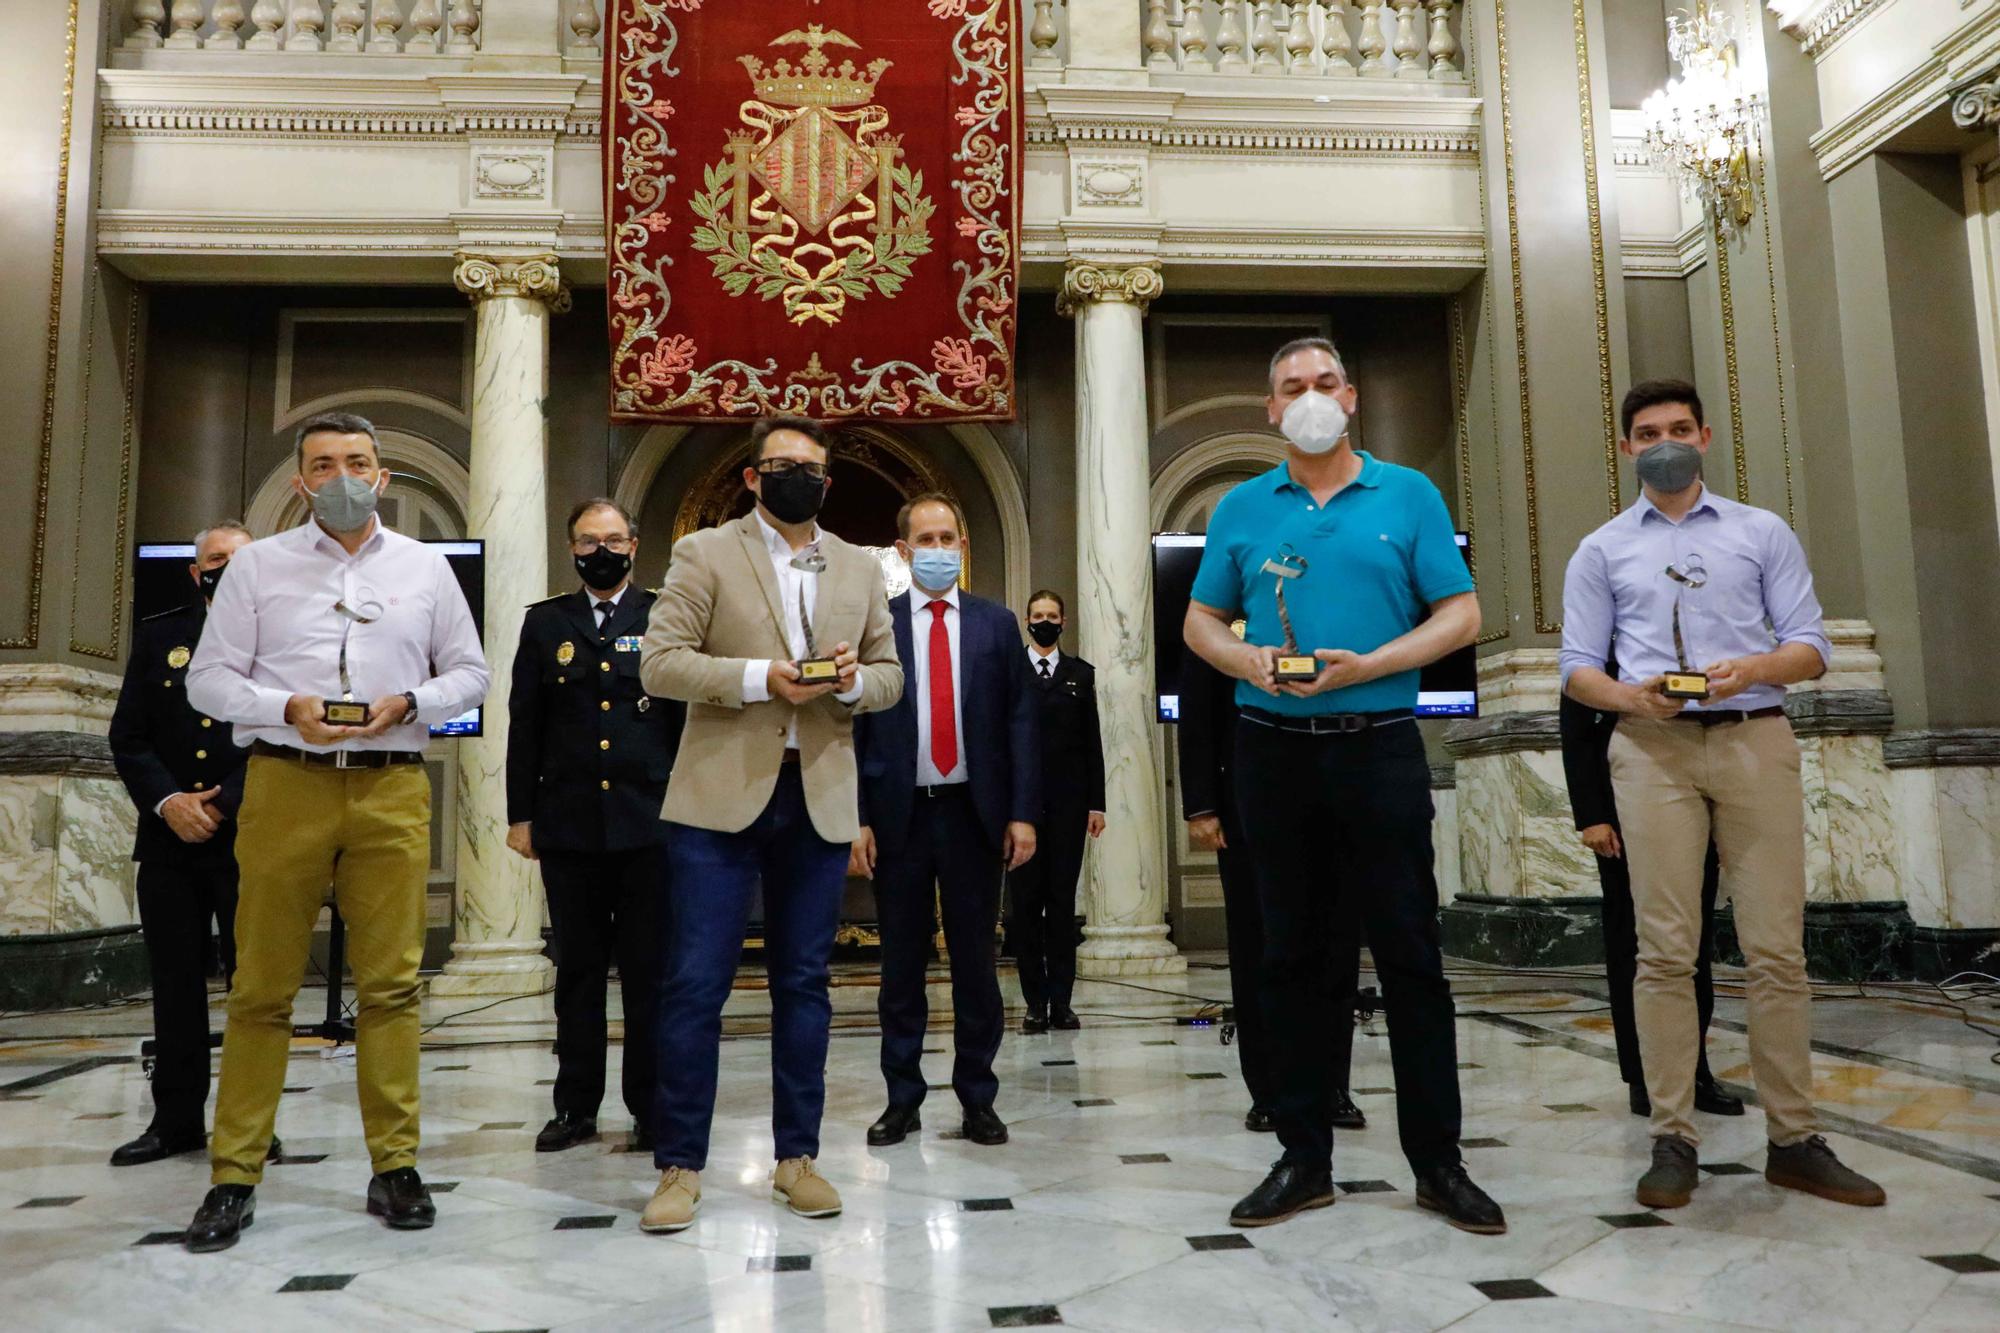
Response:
column 813, row 668
column 1292, row 664
column 345, row 711
column 1687, row 683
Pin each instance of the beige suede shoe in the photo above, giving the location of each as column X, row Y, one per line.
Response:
column 796, row 1184
column 674, row 1203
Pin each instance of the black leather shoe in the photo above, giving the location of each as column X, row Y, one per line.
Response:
column 1709, row 1097
column 1063, row 1019
column 1034, row 1023
column 896, row 1124
column 1448, row 1190
column 1260, row 1121
column 1636, row 1097
column 1346, row 1115
column 223, row 1214
column 401, row 1199
column 153, row 1146
column 983, row 1127
column 565, row 1131
column 1289, row 1190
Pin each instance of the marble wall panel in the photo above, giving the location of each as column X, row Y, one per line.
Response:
column 1516, row 835
column 94, row 874
column 1919, row 858
column 30, row 809
column 1852, row 851
column 1968, row 825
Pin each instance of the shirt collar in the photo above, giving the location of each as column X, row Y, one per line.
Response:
column 775, row 541
column 326, row 540
column 1035, row 659
column 919, row 599
column 1370, row 475
column 613, row 600
column 1644, row 509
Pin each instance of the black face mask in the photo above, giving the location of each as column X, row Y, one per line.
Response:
column 793, row 497
column 603, row 569
column 210, row 578
column 1045, row 632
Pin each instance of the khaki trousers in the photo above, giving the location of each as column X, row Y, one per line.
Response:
column 367, row 832
column 1677, row 783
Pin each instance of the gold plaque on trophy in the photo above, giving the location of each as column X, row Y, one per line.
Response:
column 1685, row 685
column 1298, row 666
column 345, row 713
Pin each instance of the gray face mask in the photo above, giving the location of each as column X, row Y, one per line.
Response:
column 1670, row 466
column 344, row 504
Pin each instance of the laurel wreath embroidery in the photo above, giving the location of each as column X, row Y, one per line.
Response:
column 772, row 268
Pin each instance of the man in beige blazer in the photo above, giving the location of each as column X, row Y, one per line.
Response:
column 763, row 794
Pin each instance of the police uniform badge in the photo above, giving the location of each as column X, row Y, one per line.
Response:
column 178, row 657
column 565, row 653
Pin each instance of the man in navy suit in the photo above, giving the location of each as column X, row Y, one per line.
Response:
column 950, row 782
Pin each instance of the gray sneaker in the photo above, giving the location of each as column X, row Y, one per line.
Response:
column 1671, row 1182
column 1812, row 1167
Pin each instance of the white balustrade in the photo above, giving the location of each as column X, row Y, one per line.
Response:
column 336, row 27
column 581, row 24
column 1376, row 39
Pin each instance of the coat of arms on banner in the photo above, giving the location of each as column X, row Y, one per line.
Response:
column 813, row 207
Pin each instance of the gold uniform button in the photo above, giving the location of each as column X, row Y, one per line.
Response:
column 168, row 683
column 206, row 722
column 201, row 754
column 561, row 679
column 604, row 666
column 605, row 706
column 606, row 784
column 604, row 745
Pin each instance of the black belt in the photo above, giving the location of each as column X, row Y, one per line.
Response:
column 336, row 758
column 944, row 789
column 1325, row 724
column 1722, row 717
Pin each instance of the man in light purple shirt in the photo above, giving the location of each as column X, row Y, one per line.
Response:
column 1712, row 609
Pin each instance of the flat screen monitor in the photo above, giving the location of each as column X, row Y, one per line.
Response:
column 1448, row 687
column 160, row 582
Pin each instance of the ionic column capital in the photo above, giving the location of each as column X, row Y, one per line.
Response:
column 1085, row 282
column 536, row 277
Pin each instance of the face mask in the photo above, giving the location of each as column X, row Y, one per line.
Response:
column 210, row 579
column 792, row 498
column 1315, row 422
column 603, row 569
column 1670, row 466
column 344, row 504
column 934, row 568
column 1045, row 632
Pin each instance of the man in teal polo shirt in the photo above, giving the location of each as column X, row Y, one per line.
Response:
column 1332, row 780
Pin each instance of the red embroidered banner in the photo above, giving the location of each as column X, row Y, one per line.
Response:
column 813, row 206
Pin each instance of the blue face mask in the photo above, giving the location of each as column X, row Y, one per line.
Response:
column 935, row 569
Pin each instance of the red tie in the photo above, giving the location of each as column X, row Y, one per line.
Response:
column 944, row 724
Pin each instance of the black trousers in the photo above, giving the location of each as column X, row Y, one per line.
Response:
column 1340, row 830
column 177, row 900
column 1244, row 917
column 606, row 907
column 1041, row 911
column 947, row 848
column 1621, row 962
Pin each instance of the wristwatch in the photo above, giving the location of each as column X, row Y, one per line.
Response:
column 410, row 698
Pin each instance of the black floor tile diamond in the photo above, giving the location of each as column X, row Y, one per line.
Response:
column 318, row 1282
column 1374, row 1092
column 1569, row 1108
column 779, row 1263
column 1365, row 1186
column 1467, row 1064
column 1168, row 1042
column 101, row 1115
column 1532, row 1044
column 1964, row 1263
column 1729, row 1169
column 938, row 1087
column 161, row 1238
column 1088, row 1101
column 1144, row 1158
column 441, row 1186
column 1056, row 1064
column 545, row 1083
column 299, row 1159
column 1482, row 1143
column 1512, row 1289
column 1024, row 1316
column 1632, row 1220
column 588, row 1222
column 1233, row 1241
column 1208, row 1076
column 986, row 1205
column 448, row 1069
column 503, row 1124
column 52, row 1201
column 301, row 1087
column 934, row 1050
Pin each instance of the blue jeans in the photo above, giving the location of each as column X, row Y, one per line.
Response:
column 714, row 878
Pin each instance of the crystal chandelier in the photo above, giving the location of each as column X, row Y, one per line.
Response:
column 1702, row 126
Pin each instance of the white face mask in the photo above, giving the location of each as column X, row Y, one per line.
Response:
column 1315, row 422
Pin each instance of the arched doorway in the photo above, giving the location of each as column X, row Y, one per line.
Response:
column 1186, row 491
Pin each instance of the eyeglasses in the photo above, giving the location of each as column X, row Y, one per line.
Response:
column 785, row 467
column 615, row 545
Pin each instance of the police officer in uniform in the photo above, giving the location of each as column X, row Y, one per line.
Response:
column 588, row 754
column 186, row 776
column 1041, row 907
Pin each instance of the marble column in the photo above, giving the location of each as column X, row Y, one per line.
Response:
column 497, row 943
column 1125, row 931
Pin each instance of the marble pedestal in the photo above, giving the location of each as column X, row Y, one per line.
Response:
column 1125, row 930
column 498, row 946
column 69, row 929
